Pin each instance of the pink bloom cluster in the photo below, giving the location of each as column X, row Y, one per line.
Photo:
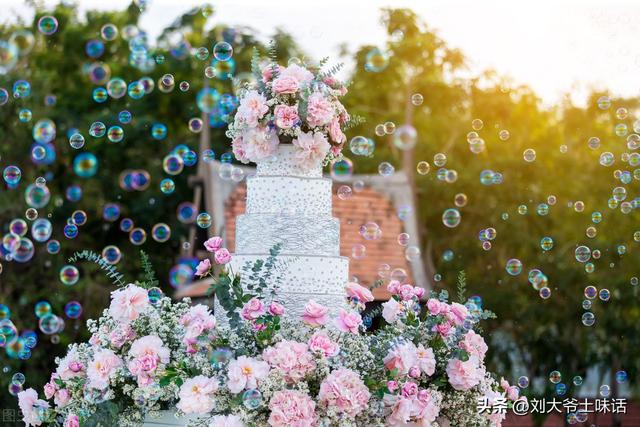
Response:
column 196, row 395
column 221, row 256
column 463, row 375
column 344, row 391
column 412, row 407
column 291, row 358
column 146, row 355
column 197, row 322
column 245, row 372
column 128, row 303
column 295, row 103
column 292, row 408
column 31, row 407
column 103, row 366
column 403, row 296
column 407, row 359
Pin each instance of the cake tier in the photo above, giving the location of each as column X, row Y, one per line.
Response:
column 300, row 279
column 284, row 164
column 289, row 195
column 297, row 234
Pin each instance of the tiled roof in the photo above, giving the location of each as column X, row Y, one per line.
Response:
column 364, row 206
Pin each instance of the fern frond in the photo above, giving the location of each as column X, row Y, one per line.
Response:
column 462, row 287
column 111, row 271
column 150, row 279
column 354, row 121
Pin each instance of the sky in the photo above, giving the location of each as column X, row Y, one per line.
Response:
column 556, row 47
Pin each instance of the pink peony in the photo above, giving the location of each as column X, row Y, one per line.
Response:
column 344, row 391
column 320, row 112
column 401, row 358
column 426, row 360
column 299, row 73
column 286, row 116
column 335, row 133
column 420, row 410
column 348, row 321
column 62, row 397
column 406, row 292
column 196, row 395
column 29, row 406
column 239, row 148
column 128, row 303
column 203, row 267
column 146, row 354
column 321, row 343
column 444, row 329
column 354, row 290
column 474, row 344
column 213, row 244
column 390, row 310
column 285, row 84
column 464, row 375
column 312, row 149
column 435, row 307
column 226, row 421
column 276, row 309
column 101, row 368
column 458, row 313
column 253, row 309
column 291, row 408
column 315, row 314
column 197, row 321
column 69, row 366
column 71, row 421
column 409, row 389
column 418, row 292
column 245, row 372
column 425, row 408
column 222, row 256
column 253, row 106
column 260, row 143
column 291, row 358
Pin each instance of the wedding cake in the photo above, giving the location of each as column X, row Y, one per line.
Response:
column 291, row 206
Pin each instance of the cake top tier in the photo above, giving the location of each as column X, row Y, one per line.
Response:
column 284, row 163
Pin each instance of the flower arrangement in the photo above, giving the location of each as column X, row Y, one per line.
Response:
column 424, row 366
column 295, row 104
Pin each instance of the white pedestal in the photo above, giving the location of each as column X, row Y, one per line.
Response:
column 166, row 418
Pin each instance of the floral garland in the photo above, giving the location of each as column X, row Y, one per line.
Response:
column 424, row 366
column 295, row 104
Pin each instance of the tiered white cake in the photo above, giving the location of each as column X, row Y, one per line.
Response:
column 292, row 207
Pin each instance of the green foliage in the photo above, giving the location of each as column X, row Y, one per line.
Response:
column 462, row 287
column 150, row 279
column 110, row 271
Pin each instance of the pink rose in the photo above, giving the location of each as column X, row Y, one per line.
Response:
column 291, row 408
column 213, row 244
column 343, row 391
column 414, row 372
column 276, row 309
column 312, row 148
column 393, row 287
column 401, row 358
column 418, row 292
column 321, row 343
column 390, row 310
column 335, row 132
column 222, row 256
column 512, row 391
column 286, row 116
column 245, row 373
column 101, row 368
column 458, row 313
column 348, row 321
column 49, row 390
column 260, row 143
column 197, row 321
column 253, row 309
column 291, row 358
column 203, row 267
column 62, row 397
column 444, row 329
column 147, row 353
column 320, row 112
column 426, row 360
column 127, row 303
column 121, row 335
column 315, row 314
column 285, row 84
column 464, row 375
column 196, row 395
column 354, row 290
column 409, row 389
column 392, row 385
column 71, row 421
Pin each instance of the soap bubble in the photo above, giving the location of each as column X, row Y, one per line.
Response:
column 376, row 60
column 37, row 196
column 451, row 218
column 41, row 230
column 167, row 186
column 252, row 399
column 137, row 236
column 97, row 129
column 180, row 275
column 361, row 146
column 53, row 247
column 546, row 243
column 8, row 58
column 115, row 134
column 76, row 141
column 529, row 155
column 477, row 124
column 222, row 51
column 604, row 103
column 604, row 295
column 582, row 254
column 186, row 212
column 514, row 267
column 344, row 192
column 460, row 200
column 135, row 90
column 126, row 224
column 25, row 115
column 358, row 251
column 12, row 175
column 161, row 232
column 342, row 170
column 50, row 324
column 504, row 135
column 73, row 310
column 23, row 250
column 370, row 231
column 94, row 48
column 423, row 167
column 47, row 25
column 386, row 169
column 440, row 159
column 588, row 319
column 44, row 131
column 405, row 137
column 109, row 32
column 158, row 131
column 417, row 99
column 203, row 220
column 195, row 125
column 545, row 292
column 607, row 159
column 116, row 88
column 21, row 89
column 69, row 275
column 173, row 164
